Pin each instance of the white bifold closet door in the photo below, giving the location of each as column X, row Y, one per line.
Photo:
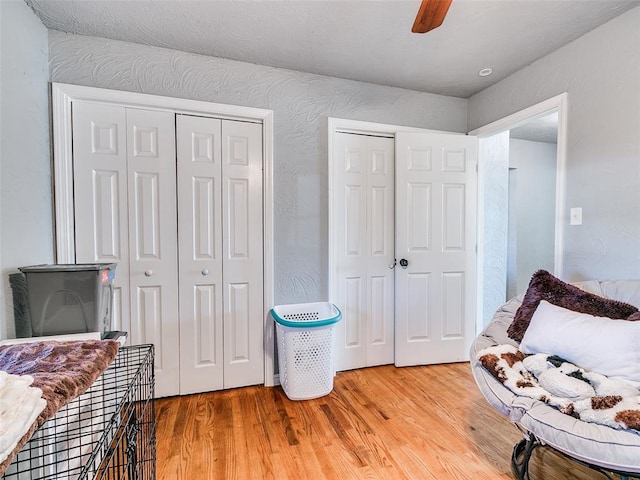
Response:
column 200, row 236
column 100, row 194
column 124, row 195
column 219, row 206
column 184, row 224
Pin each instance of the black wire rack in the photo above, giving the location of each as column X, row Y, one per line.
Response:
column 107, row 433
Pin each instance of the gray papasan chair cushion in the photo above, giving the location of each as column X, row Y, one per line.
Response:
column 611, row 449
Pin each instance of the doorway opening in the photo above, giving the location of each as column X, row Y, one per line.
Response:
column 532, row 201
column 521, row 190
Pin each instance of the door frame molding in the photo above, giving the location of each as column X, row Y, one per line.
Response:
column 63, row 96
column 559, row 103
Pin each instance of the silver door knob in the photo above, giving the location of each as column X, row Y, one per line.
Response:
column 205, row 272
column 148, row 273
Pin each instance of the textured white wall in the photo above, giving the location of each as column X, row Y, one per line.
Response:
column 494, row 194
column 535, row 205
column 601, row 73
column 26, row 232
column 301, row 103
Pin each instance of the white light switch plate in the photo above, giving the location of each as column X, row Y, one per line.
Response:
column 575, row 216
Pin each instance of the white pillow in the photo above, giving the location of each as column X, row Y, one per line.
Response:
column 562, row 385
column 600, row 344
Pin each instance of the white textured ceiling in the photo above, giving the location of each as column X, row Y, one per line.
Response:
column 363, row 40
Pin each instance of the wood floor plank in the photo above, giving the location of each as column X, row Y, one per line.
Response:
column 383, row 423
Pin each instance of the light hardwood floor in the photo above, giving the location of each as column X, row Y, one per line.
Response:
column 378, row 423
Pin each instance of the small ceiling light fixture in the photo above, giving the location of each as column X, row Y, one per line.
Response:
column 485, row 72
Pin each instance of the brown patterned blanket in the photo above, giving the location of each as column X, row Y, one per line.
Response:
column 62, row 370
column 586, row 395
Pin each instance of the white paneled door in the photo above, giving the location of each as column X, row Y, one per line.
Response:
column 407, row 201
column 100, row 187
column 124, row 196
column 177, row 204
column 435, row 247
column 153, row 263
column 200, row 238
column 220, row 212
column 242, row 253
column 363, row 245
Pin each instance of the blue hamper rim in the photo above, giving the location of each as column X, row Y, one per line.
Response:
column 279, row 315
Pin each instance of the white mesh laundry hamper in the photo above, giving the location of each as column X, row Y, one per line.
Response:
column 305, row 348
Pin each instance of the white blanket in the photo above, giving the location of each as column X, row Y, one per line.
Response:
column 20, row 405
column 586, row 395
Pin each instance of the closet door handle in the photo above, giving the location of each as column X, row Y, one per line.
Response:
column 148, row 273
column 205, row 272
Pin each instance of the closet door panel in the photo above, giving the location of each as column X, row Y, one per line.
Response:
column 380, row 161
column 200, row 253
column 100, row 195
column 153, row 227
column 350, row 191
column 363, row 236
column 242, row 253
